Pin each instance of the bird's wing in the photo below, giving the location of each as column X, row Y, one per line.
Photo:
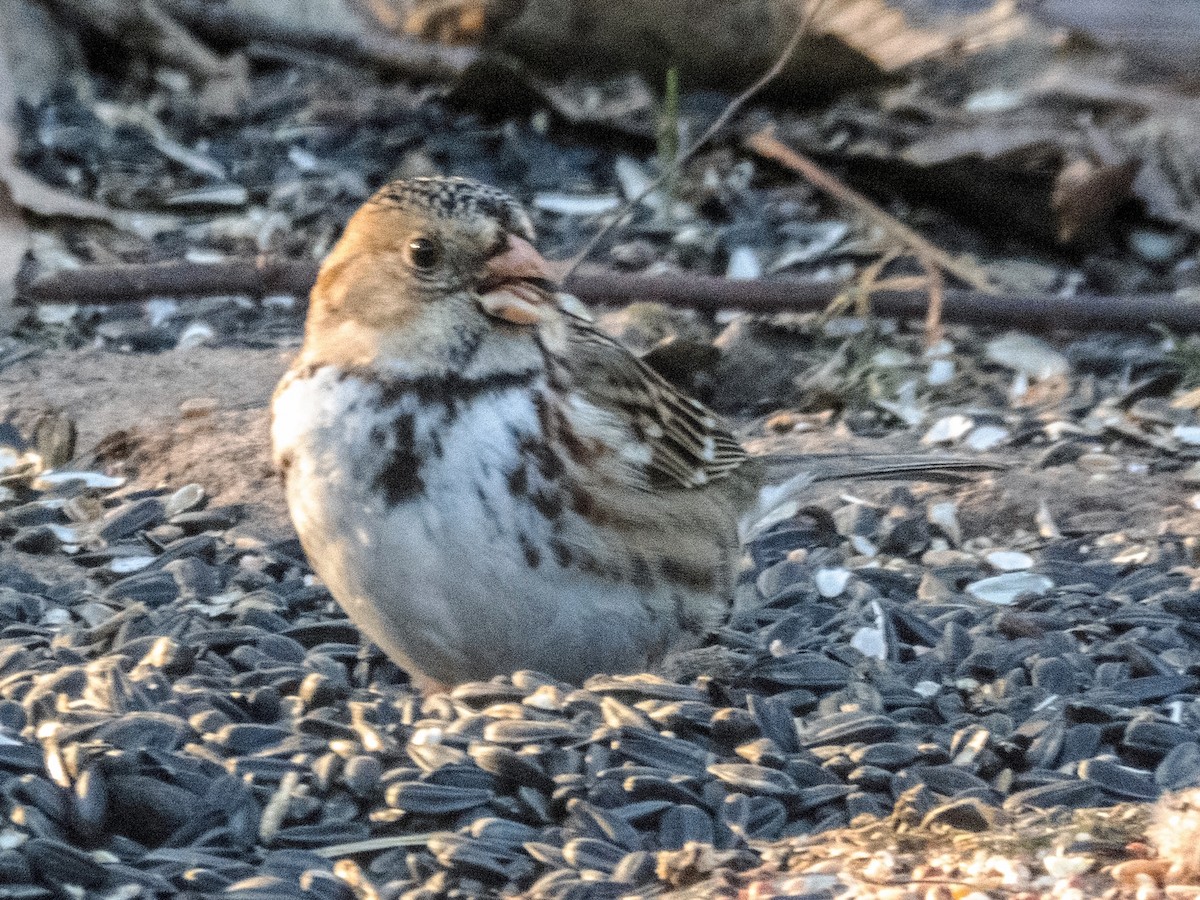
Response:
column 689, row 445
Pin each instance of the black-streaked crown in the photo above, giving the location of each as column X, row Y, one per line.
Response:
column 456, row 197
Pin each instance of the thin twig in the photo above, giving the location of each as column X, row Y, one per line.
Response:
column 859, row 294
column 904, row 297
column 765, row 144
column 937, row 300
column 620, row 216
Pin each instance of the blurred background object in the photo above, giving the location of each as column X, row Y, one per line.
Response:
column 1162, row 33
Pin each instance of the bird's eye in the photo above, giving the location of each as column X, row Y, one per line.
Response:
column 424, row 253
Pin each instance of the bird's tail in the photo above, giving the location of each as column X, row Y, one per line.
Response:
column 780, row 500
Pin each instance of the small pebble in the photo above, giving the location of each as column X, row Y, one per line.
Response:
column 50, row 480
column 1059, row 866
column 576, row 204
column 123, row 565
column 186, row 498
column 56, row 313
column 890, row 357
column 944, row 515
column 940, row 372
column 870, row 642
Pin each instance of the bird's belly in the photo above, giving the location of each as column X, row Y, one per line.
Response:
column 447, row 567
column 445, row 586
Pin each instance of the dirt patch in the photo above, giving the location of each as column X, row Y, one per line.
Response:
column 228, row 452
column 106, row 392
column 130, row 413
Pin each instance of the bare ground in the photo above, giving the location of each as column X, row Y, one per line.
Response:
column 166, row 419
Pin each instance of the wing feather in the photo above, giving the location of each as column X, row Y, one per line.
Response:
column 689, row 444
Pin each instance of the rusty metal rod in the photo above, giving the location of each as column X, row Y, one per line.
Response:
column 264, row 276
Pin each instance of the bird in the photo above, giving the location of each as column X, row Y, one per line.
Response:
column 486, row 482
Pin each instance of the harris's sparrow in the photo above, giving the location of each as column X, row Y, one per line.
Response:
column 483, row 480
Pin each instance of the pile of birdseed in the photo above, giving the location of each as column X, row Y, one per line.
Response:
column 185, row 711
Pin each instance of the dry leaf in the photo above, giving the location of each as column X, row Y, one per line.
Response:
column 1086, row 194
column 1168, row 146
column 1163, row 138
column 887, row 38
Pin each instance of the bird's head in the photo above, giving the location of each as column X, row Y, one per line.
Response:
column 424, row 270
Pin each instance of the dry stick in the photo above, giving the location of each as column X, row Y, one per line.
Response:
column 766, row 145
column 622, row 214
column 401, row 55
column 258, row 277
column 265, row 276
column 937, row 299
column 868, row 281
column 1032, row 312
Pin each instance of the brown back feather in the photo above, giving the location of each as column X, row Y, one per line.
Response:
column 689, row 444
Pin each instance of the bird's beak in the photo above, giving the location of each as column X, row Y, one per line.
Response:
column 518, row 261
column 516, row 283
